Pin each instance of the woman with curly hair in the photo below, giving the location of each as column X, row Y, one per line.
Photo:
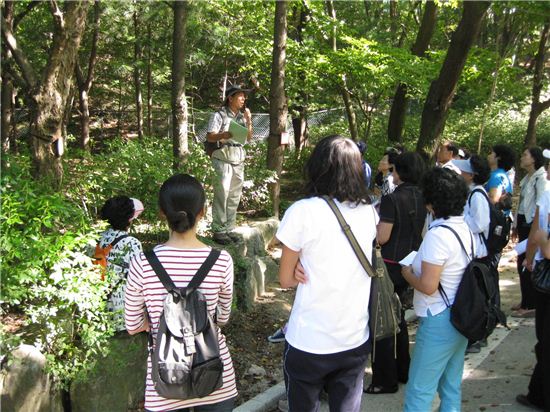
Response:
column 438, row 358
column 328, row 337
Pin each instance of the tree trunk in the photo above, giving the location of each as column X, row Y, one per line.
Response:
column 350, row 112
column 149, row 82
column 299, row 123
column 442, row 90
column 7, row 85
column 537, row 107
column 137, row 71
column 49, row 96
column 84, row 83
column 179, row 103
column 399, row 106
column 278, row 109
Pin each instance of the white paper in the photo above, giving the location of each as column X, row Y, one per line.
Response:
column 408, row 260
column 521, row 247
column 238, row 133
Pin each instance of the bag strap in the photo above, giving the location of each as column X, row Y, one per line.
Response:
column 197, row 279
column 439, row 287
column 478, row 190
column 351, row 237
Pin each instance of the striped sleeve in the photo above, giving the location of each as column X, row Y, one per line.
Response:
column 134, row 300
column 225, row 297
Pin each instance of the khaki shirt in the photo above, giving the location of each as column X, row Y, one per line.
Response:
column 219, row 122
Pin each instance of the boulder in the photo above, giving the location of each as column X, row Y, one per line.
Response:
column 117, row 382
column 251, row 284
column 257, row 236
column 24, row 384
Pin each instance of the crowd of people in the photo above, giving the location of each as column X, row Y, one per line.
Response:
column 406, row 207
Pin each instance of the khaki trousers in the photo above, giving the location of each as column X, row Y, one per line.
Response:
column 228, row 187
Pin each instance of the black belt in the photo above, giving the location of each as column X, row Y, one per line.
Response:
column 232, row 144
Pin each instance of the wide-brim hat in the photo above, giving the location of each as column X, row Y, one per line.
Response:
column 233, row 89
column 464, row 165
column 138, row 208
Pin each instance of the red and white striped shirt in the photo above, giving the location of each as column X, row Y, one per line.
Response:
column 145, row 291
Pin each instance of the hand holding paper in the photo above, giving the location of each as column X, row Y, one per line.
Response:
column 408, row 260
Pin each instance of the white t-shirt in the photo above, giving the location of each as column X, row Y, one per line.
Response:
column 544, row 211
column 330, row 312
column 478, row 217
column 440, row 247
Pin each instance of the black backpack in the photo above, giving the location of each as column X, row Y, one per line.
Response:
column 474, row 312
column 499, row 226
column 185, row 358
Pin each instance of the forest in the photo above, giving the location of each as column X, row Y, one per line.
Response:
column 112, row 97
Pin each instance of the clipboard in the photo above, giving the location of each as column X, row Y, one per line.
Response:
column 238, row 133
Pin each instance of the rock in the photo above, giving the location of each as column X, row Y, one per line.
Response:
column 257, row 237
column 261, row 270
column 117, row 382
column 24, row 384
column 256, row 370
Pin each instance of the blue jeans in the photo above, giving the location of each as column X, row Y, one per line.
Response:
column 437, row 365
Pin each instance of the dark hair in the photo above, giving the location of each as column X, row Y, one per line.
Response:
column 506, row 157
column 410, row 167
column 536, row 154
column 362, row 146
column 118, row 211
column 181, row 199
column 445, row 190
column 335, row 168
column 481, row 169
column 451, row 147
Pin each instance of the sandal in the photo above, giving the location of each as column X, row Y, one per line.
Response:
column 377, row 390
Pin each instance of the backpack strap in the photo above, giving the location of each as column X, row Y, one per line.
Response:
column 439, row 287
column 197, row 279
column 478, row 190
column 204, row 269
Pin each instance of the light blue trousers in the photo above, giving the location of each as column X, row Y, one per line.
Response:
column 437, row 364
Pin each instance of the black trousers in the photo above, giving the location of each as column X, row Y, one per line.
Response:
column 340, row 374
column 391, row 360
column 539, row 385
column 526, row 286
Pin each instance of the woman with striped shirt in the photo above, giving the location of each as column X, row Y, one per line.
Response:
column 181, row 201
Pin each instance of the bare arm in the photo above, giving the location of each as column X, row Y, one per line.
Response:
column 428, row 281
column 289, row 259
column 383, row 232
column 494, row 194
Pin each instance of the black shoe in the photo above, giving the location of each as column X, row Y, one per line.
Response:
column 474, row 348
column 379, row 390
column 525, row 401
column 222, row 238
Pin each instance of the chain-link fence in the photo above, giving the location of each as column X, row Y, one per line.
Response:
column 108, row 123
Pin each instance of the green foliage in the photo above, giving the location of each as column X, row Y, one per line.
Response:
column 37, row 226
column 133, row 168
column 47, row 275
column 256, row 194
column 67, row 311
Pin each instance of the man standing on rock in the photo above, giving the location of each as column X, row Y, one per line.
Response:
column 228, row 162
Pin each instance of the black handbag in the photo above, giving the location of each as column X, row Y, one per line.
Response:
column 541, row 276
